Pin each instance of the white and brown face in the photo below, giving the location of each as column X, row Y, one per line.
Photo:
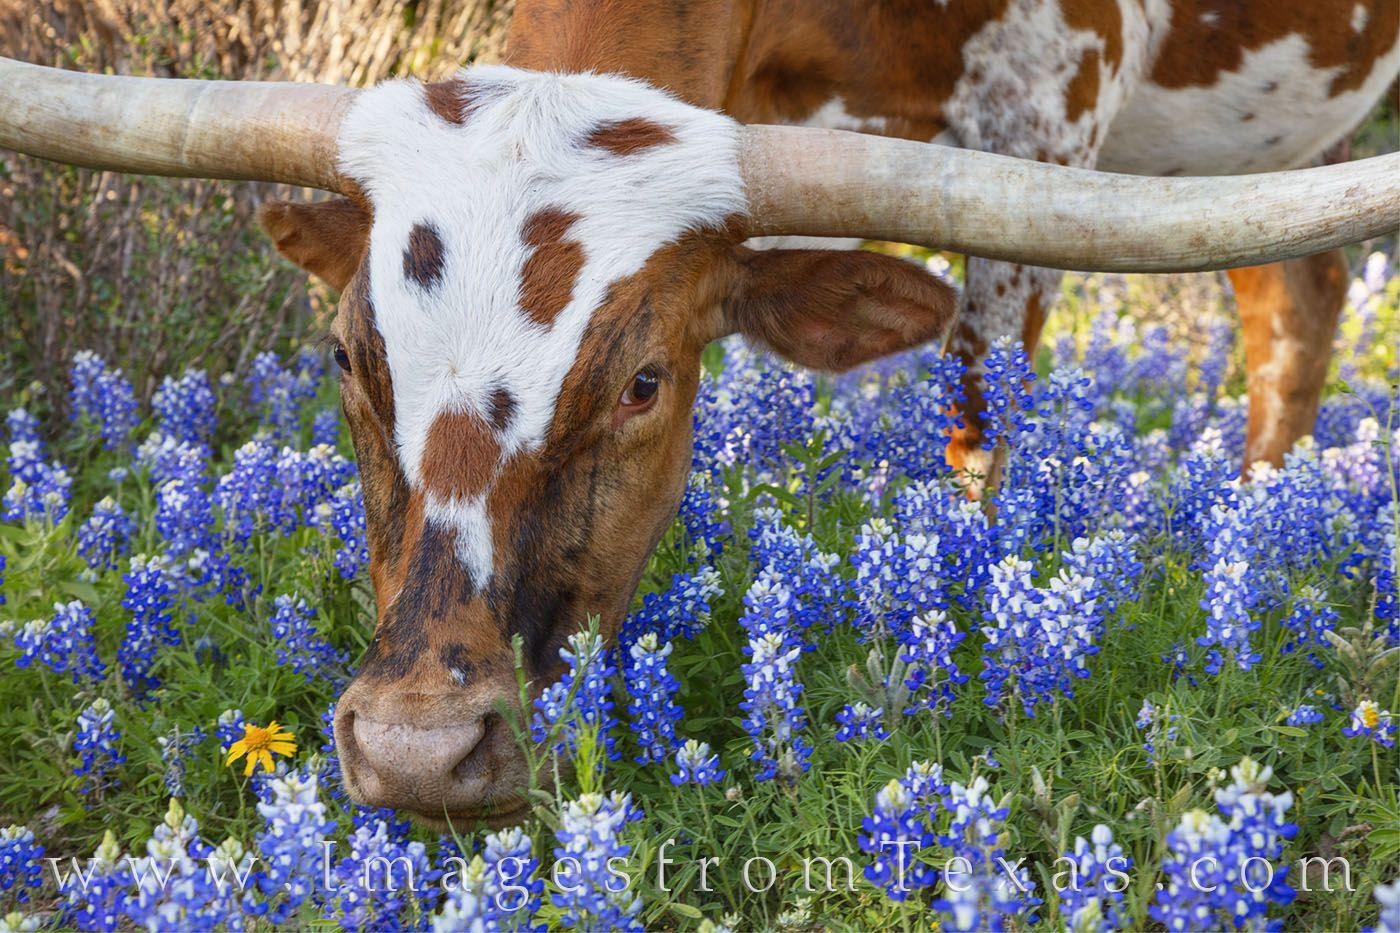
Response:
column 528, row 279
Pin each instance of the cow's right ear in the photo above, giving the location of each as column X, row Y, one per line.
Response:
column 326, row 238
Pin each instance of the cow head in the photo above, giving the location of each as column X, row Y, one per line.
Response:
column 529, row 271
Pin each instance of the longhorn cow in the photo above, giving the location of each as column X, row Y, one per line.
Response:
column 531, row 257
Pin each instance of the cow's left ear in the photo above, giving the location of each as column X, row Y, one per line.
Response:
column 834, row 309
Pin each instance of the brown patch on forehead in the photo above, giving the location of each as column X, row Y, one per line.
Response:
column 547, row 278
column 423, row 257
column 460, row 456
column 502, row 408
column 449, row 100
column 633, row 135
column 1082, row 95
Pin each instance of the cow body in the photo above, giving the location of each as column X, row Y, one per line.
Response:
column 534, row 255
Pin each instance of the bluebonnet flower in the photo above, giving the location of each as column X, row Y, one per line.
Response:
column 702, row 514
column 696, row 764
column 229, row 728
column 150, row 596
column 1228, row 872
column 926, row 650
column 1387, row 584
column 175, row 749
column 2, row 578
column 185, row 407
column 897, row 578
column 651, row 691
column 1038, row 641
column 1369, row 721
column 680, row 611
column 21, row 863
column 1006, row 372
column 360, row 899
column 103, row 396
column 96, row 742
column 104, row 536
column 1388, row 897
column 1305, row 715
column 95, row 897
column 176, row 887
column 1230, row 594
column 290, row 846
column 1092, row 898
column 860, row 721
column 184, row 508
column 164, row 456
column 500, row 891
column 581, row 699
column 344, row 514
column 245, row 493
column 22, row 427
column 1160, row 725
column 43, row 496
column 325, row 427
column 773, row 716
column 300, row 645
column 894, row 834
column 592, row 897
column 64, row 644
column 983, row 892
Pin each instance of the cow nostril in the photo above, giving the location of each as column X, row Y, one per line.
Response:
column 476, row 763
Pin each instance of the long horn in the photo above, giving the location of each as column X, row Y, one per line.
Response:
column 252, row 131
column 813, row 182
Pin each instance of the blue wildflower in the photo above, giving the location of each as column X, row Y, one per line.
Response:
column 696, row 764
column 362, row 899
column 651, row 701
column 860, row 721
column 773, row 717
column 300, row 645
column 290, row 845
column 581, row 699
column 150, row 596
column 983, row 892
column 590, row 895
column 1369, row 721
column 97, row 742
column 894, row 835
column 1305, row 715
column 1092, row 897
column 185, row 407
column 21, row 863
column 104, row 397
column 104, row 536
column 64, row 644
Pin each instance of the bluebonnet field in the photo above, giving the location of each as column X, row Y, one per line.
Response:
column 1141, row 670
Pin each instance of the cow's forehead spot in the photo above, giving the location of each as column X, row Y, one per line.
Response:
column 627, row 166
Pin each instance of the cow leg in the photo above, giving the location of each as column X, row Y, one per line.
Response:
column 1000, row 300
column 1289, row 313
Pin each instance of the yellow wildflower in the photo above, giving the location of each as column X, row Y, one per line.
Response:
column 260, row 744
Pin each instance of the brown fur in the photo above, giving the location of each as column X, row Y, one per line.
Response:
column 450, row 100
column 423, row 257
column 460, row 457
column 625, row 137
column 548, row 277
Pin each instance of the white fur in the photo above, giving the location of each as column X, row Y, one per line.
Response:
column 1203, row 130
column 520, row 150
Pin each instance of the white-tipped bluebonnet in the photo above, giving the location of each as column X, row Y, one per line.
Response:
column 1159, row 724
column 982, row 891
column 1038, row 640
column 325, row 427
column 894, row 835
column 42, row 497
column 175, row 748
column 164, row 456
column 497, row 891
column 64, row 643
column 1231, row 594
column 651, row 691
column 1228, row 872
column 696, row 764
column 21, row 863
column 1304, row 715
column 591, row 896
column 104, row 536
column 679, row 612
column 1006, row 373
column 1369, row 721
column 380, row 879
column 581, row 698
column 185, row 408
column 300, row 646
column 104, row 397
column 97, row 743
column 343, row 515
column 859, row 721
column 926, row 650
column 229, row 728
column 296, row 825
column 150, row 598
column 1094, row 876
column 95, row 897
column 773, row 715
column 175, row 881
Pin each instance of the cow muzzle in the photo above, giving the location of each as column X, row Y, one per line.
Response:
column 445, row 757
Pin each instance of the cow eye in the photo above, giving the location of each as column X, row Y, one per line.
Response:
column 642, row 389
column 342, row 359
